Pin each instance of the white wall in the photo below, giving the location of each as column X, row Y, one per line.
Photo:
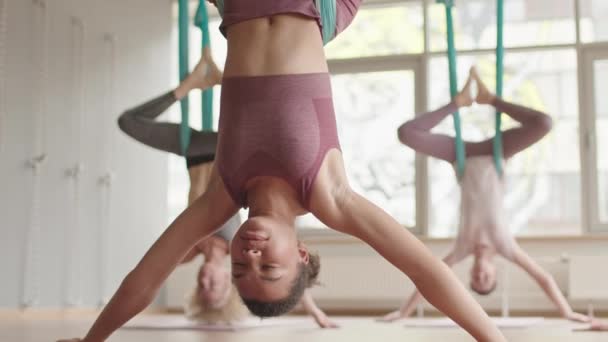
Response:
column 355, row 278
column 71, row 250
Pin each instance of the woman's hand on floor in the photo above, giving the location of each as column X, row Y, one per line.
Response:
column 393, row 316
column 324, row 322
column 597, row 325
column 577, row 317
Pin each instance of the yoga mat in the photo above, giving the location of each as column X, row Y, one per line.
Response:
column 501, row 322
column 178, row 322
column 597, row 326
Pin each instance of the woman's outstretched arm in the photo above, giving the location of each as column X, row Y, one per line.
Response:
column 312, row 309
column 339, row 207
column 417, row 135
column 415, row 298
column 140, row 286
column 547, row 284
column 534, row 124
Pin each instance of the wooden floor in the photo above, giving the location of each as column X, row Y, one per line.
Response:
column 36, row 329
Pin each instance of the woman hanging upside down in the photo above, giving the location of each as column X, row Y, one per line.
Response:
column 214, row 299
column 483, row 231
column 279, row 154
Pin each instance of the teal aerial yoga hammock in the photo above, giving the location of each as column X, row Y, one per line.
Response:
column 497, row 141
column 201, row 20
column 327, row 10
column 500, row 52
column 184, row 132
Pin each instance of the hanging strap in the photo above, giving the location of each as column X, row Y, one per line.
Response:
column 33, row 231
column 32, row 259
column 460, row 150
column 105, row 228
column 201, row 20
column 327, row 10
column 184, row 131
column 3, row 48
column 500, row 51
column 73, row 270
column 72, row 238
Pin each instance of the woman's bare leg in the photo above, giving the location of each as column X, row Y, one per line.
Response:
column 206, row 74
column 140, row 286
column 340, row 208
column 140, row 122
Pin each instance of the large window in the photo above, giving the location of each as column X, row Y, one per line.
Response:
column 381, row 30
column 594, row 26
column 526, row 23
column 600, row 70
column 543, row 182
column 379, row 84
column 369, row 107
column 595, row 71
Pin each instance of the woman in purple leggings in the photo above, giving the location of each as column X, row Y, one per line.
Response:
column 213, row 299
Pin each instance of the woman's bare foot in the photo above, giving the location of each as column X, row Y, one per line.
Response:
column 597, row 325
column 205, row 74
column 484, row 96
column 464, row 98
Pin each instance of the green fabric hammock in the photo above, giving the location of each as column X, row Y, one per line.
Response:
column 497, row 141
column 201, row 20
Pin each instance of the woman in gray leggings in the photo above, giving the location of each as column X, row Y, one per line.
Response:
column 214, row 299
column 140, row 122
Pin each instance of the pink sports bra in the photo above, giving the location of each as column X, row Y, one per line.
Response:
column 236, row 11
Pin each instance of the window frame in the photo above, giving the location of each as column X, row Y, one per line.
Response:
column 588, row 140
column 418, row 63
column 589, row 222
column 405, row 62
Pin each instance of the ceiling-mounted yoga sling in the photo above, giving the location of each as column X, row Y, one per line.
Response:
column 201, row 20
column 500, row 52
column 327, row 11
column 460, row 151
column 459, row 143
column 184, row 131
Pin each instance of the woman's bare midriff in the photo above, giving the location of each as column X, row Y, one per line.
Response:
column 276, row 45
